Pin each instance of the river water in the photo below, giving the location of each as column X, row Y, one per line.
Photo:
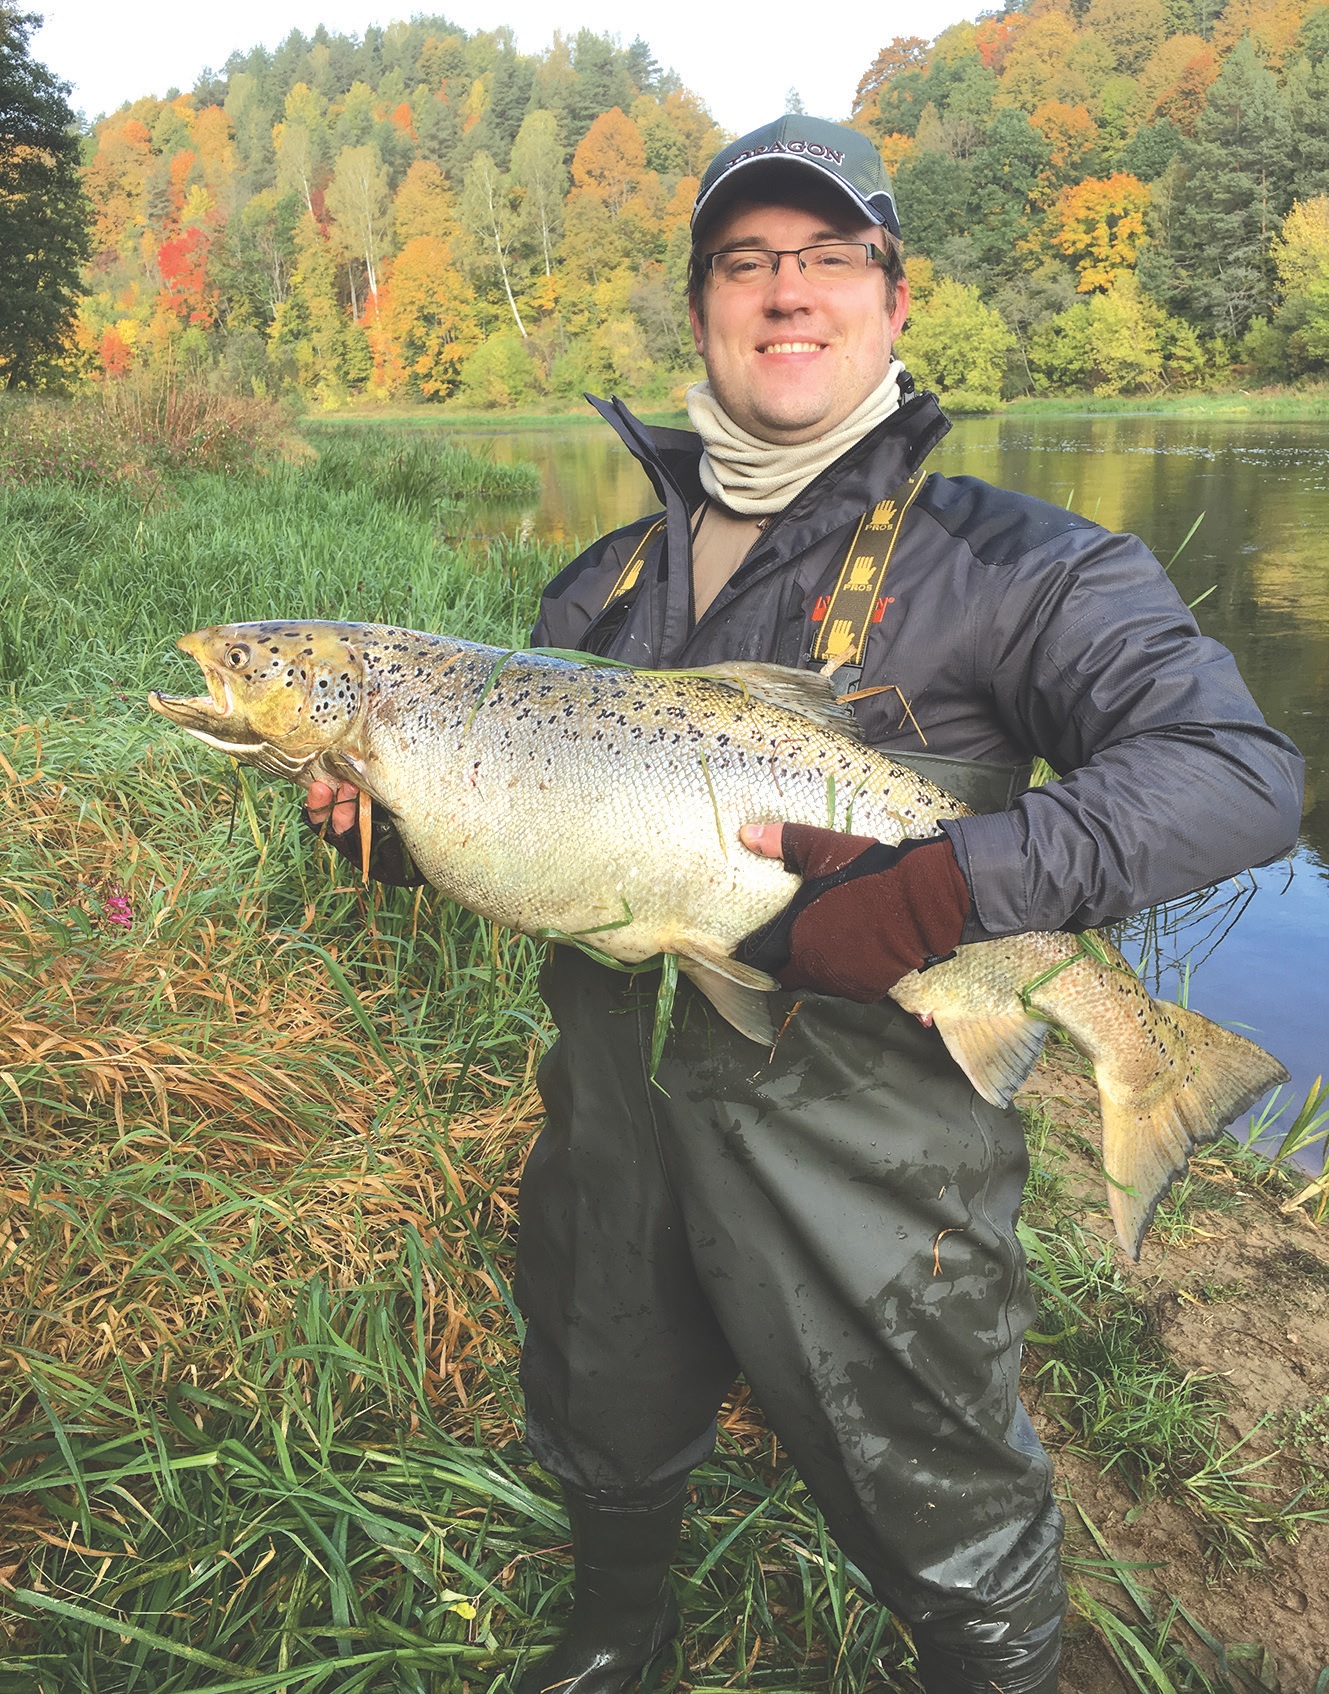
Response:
column 1255, row 952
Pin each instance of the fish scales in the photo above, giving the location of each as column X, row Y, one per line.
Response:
column 603, row 804
column 651, row 774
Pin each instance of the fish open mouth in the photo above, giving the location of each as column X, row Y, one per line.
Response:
column 205, row 716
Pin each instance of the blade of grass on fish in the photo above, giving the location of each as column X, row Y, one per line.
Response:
column 664, row 1009
column 715, row 802
column 1088, row 946
column 576, row 935
column 849, row 809
column 596, row 661
column 491, row 681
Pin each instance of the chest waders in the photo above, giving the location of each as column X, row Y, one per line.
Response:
column 837, row 1223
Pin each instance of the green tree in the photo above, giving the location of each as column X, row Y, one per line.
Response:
column 1221, row 202
column 499, row 373
column 1005, row 176
column 491, row 226
column 43, row 215
column 310, row 331
column 1114, row 343
column 959, row 345
column 539, row 174
column 359, row 200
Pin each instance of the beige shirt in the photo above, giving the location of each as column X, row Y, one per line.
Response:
column 723, row 540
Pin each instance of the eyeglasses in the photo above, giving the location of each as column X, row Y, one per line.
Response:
column 826, row 264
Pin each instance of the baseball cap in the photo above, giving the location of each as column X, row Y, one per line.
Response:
column 797, row 142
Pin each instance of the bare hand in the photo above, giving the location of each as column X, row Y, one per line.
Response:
column 344, row 806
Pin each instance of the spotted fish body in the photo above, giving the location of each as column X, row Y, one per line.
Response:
column 604, row 804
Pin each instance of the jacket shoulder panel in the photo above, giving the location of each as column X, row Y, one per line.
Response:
column 997, row 525
column 578, row 594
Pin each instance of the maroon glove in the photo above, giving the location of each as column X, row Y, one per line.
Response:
column 866, row 915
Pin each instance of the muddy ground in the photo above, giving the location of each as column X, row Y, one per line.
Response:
column 1239, row 1293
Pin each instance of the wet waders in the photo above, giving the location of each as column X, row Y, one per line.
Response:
column 838, row 1223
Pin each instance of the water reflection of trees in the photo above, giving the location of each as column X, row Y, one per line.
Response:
column 1176, row 938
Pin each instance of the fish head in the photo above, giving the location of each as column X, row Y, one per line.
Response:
column 281, row 696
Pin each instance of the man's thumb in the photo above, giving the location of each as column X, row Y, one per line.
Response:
column 763, row 838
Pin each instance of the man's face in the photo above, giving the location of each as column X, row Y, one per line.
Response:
column 789, row 359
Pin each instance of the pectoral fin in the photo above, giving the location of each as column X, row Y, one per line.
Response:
column 737, row 991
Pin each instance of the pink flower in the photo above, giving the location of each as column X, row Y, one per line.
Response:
column 117, row 910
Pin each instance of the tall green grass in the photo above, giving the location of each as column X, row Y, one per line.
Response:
column 259, row 1148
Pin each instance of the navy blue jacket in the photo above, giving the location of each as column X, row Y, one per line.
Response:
column 1013, row 628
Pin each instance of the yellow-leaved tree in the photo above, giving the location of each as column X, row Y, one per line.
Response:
column 1100, row 224
column 425, row 327
column 1301, row 254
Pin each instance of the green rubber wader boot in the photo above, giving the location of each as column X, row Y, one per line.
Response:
column 1014, row 1646
column 623, row 1608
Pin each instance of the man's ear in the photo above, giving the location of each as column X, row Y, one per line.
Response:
column 698, row 326
column 901, row 309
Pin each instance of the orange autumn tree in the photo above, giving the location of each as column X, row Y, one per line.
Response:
column 610, row 161
column 425, row 326
column 1100, row 224
column 1174, row 82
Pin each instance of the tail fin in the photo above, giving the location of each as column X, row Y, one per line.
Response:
column 1149, row 1134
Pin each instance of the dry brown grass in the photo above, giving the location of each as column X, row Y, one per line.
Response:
column 199, row 1130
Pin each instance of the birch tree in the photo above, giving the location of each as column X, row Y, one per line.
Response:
column 538, row 171
column 488, row 218
column 359, row 200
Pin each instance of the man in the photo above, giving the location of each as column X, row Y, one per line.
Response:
column 837, row 1222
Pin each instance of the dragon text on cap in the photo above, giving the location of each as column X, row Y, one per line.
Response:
column 813, row 149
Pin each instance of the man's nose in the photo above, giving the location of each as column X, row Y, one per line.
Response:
column 789, row 287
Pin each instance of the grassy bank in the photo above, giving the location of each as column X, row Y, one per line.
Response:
column 260, row 1131
column 1275, row 405
column 443, row 417
column 1290, row 405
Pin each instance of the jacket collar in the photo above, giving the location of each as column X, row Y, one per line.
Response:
column 869, row 471
column 884, row 458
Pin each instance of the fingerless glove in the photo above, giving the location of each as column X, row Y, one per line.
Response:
column 866, row 915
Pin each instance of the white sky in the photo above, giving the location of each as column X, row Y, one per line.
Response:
column 741, row 58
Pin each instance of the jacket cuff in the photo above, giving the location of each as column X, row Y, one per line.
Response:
column 990, row 851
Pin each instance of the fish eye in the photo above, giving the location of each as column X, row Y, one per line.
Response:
column 237, row 657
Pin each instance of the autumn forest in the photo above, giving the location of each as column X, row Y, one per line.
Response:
column 1116, row 196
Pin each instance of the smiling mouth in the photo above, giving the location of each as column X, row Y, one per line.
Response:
column 794, row 347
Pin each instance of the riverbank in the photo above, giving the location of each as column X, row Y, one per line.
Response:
column 1271, row 405
column 1286, row 404
column 260, row 1133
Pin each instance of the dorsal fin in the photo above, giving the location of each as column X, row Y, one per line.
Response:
column 805, row 692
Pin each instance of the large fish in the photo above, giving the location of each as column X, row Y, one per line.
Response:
column 604, row 804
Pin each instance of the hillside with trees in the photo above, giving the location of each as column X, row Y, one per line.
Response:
column 1106, row 195
column 415, row 214
column 1112, row 195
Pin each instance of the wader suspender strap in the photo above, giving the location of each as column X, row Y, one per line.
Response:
column 844, row 618
column 627, row 578
column 856, row 602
